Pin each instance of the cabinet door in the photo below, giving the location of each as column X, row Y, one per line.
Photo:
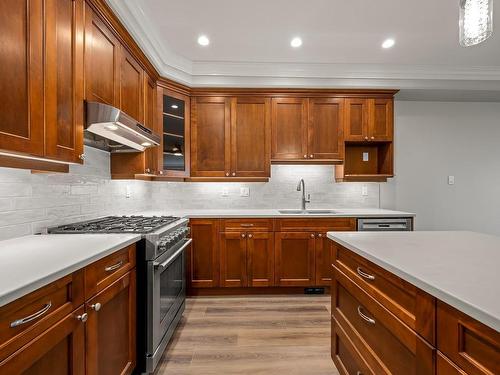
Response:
column 294, row 258
column 356, row 120
column 21, row 83
column 251, row 137
column 203, row 257
column 381, row 120
column 131, row 86
column 60, row 350
column 260, row 259
column 210, row 137
column 324, row 260
column 233, row 259
column 326, row 128
column 64, row 79
column 111, row 328
column 102, row 61
column 289, row 128
column 150, row 121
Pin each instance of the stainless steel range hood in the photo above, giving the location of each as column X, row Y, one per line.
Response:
column 125, row 133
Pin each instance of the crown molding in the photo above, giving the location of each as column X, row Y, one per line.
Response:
column 299, row 75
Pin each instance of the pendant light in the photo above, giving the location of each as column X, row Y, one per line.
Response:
column 476, row 21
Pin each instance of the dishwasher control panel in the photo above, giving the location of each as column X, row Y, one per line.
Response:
column 395, row 224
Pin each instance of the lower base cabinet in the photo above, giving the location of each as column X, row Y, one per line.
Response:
column 294, row 258
column 59, row 330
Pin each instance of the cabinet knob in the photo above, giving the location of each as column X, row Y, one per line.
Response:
column 96, row 306
column 227, row 174
column 311, row 156
column 366, row 138
column 161, row 172
column 320, row 235
column 243, row 235
column 312, row 235
column 83, row 318
column 148, row 170
column 250, row 235
column 305, row 156
column 81, row 156
column 373, row 137
column 234, row 174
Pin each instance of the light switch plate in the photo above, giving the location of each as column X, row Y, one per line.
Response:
column 364, row 191
column 225, row 192
column 451, row 180
column 366, row 156
column 244, row 192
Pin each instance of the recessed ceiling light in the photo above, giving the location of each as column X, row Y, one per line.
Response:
column 112, row 127
column 388, row 43
column 203, row 40
column 296, row 42
column 174, row 106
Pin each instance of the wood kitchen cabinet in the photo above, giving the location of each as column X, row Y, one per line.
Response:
column 43, row 92
column 307, row 130
column 324, row 259
column 294, row 258
column 369, row 120
column 246, row 259
column 131, row 86
column 203, row 258
column 231, row 137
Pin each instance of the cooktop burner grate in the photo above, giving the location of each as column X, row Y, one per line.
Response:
column 117, row 224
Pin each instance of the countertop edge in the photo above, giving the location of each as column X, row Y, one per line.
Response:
column 13, row 295
column 468, row 309
column 285, row 216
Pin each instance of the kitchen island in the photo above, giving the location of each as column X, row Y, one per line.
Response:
column 416, row 302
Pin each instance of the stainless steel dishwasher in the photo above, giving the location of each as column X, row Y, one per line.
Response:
column 395, row 224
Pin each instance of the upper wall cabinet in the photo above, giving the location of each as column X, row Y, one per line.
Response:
column 42, row 46
column 368, row 120
column 131, row 86
column 307, row 130
column 231, row 137
column 102, row 61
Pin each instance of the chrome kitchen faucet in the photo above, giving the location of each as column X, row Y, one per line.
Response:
column 301, row 186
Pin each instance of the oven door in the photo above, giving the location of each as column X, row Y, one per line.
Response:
column 166, row 297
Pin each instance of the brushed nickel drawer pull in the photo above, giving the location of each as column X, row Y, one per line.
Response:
column 359, row 373
column 114, row 266
column 31, row 317
column 364, row 274
column 364, row 317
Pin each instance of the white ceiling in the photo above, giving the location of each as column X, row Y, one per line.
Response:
column 250, row 43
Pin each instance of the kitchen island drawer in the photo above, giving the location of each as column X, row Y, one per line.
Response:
column 445, row 367
column 27, row 317
column 104, row 272
column 345, row 356
column 389, row 343
column 470, row 344
column 247, row 225
column 411, row 305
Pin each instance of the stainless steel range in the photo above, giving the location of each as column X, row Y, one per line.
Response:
column 161, row 277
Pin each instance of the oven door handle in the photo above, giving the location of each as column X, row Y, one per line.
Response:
column 170, row 259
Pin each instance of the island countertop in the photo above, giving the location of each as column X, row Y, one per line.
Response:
column 458, row 268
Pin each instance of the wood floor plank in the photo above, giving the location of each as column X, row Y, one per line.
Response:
column 279, row 335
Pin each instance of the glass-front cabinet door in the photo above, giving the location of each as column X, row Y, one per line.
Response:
column 175, row 144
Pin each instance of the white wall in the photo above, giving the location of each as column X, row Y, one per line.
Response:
column 434, row 140
column 29, row 203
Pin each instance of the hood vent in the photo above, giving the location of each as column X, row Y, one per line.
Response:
column 117, row 130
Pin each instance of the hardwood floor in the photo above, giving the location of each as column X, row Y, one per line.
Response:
column 287, row 335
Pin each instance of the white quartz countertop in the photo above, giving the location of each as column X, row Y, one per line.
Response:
column 266, row 213
column 459, row 268
column 28, row 263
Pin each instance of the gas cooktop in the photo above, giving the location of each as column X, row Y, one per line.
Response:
column 117, row 224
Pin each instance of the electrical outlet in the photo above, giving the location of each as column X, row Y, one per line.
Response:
column 451, row 180
column 225, row 192
column 244, row 192
column 366, row 156
column 364, row 190
column 128, row 191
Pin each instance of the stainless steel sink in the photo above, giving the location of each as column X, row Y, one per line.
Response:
column 307, row 212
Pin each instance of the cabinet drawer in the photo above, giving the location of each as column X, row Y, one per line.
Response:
column 104, row 272
column 393, row 346
column 471, row 345
column 247, row 225
column 410, row 304
column 445, row 367
column 29, row 316
column 316, row 224
column 345, row 356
